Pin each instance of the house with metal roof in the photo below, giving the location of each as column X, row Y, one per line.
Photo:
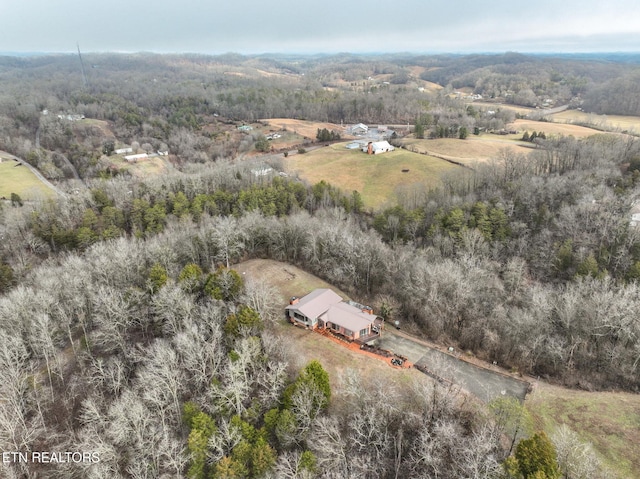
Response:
column 377, row 147
column 324, row 309
column 359, row 129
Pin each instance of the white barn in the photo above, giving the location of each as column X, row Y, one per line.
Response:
column 377, row 147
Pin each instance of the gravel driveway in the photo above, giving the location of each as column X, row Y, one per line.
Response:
column 482, row 383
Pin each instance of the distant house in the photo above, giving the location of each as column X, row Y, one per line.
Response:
column 134, row 158
column 262, row 171
column 359, row 129
column 71, row 117
column 324, row 309
column 377, row 147
column 123, row 151
column 245, row 128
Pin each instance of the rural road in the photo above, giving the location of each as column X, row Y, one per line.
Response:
column 558, row 109
column 481, row 382
column 35, row 172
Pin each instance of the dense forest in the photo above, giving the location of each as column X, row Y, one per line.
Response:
column 126, row 331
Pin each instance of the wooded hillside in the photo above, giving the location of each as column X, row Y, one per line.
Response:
column 124, row 331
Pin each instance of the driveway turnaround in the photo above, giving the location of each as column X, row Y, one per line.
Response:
column 482, row 383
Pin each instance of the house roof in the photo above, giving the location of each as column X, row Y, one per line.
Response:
column 379, row 146
column 315, row 303
column 348, row 317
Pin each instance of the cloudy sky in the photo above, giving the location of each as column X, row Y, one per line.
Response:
column 304, row 26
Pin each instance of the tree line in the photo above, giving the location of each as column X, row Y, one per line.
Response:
column 166, row 363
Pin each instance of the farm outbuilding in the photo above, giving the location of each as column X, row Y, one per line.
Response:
column 377, row 147
column 359, row 129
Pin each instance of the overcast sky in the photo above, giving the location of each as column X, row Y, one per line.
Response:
column 303, row 26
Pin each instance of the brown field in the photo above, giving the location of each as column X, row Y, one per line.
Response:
column 605, row 122
column 375, row 177
column 104, row 126
column 305, row 128
column 434, row 87
column 551, row 129
column 473, row 149
column 142, row 168
column 523, row 110
column 609, row 420
column 287, row 279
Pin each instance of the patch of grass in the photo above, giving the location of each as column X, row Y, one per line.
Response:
column 609, row 420
column 604, row 122
column 305, row 345
column 287, row 279
column 304, row 128
column 473, row 149
column 20, row 180
column 142, row 168
column 551, row 129
column 376, row 177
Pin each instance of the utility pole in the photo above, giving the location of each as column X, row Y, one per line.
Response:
column 84, row 73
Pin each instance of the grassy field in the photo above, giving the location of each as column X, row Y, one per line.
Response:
column 374, row 176
column 604, row 122
column 551, row 129
column 610, row 421
column 473, row 149
column 522, row 110
column 308, row 129
column 20, row 180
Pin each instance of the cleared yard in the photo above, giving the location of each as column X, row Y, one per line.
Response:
column 17, row 178
column 287, row 279
column 376, row 177
column 609, row 420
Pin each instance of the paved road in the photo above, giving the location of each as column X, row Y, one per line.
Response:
column 482, row 383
